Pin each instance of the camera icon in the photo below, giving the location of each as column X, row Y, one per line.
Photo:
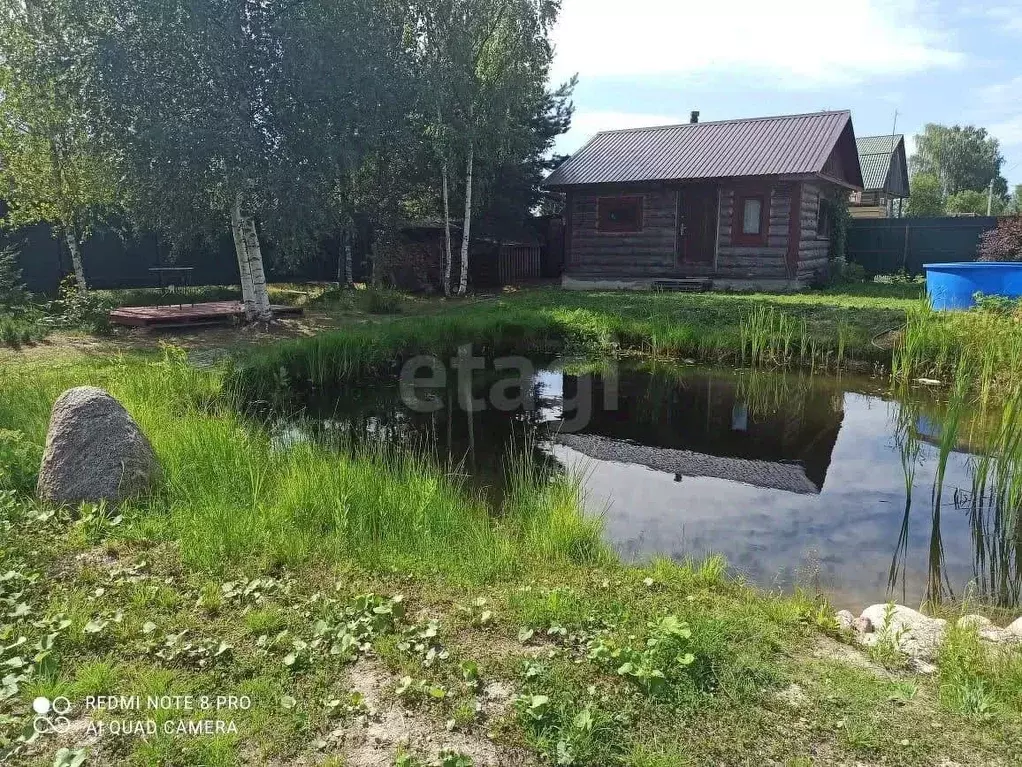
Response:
column 51, row 715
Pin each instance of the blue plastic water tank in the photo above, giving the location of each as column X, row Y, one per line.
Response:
column 953, row 286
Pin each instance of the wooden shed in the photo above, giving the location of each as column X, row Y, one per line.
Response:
column 884, row 177
column 730, row 204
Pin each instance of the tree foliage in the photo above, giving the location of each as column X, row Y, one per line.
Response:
column 292, row 120
column 484, row 66
column 1014, row 206
column 961, row 158
column 927, row 196
column 970, row 201
column 52, row 170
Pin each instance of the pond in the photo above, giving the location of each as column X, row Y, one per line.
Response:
column 820, row 482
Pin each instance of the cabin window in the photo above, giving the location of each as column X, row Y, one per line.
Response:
column 620, row 214
column 752, row 215
column 750, row 226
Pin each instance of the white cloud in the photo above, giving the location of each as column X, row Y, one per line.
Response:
column 1002, row 111
column 1008, row 18
column 1008, row 131
column 1000, row 95
column 785, row 43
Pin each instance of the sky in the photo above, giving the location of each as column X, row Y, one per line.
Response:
column 651, row 62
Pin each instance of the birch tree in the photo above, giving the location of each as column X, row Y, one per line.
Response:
column 248, row 113
column 51, row 167
column 487, row 61
column 182, row 94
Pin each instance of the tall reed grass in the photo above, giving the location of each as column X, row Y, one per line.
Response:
column 769, row 337
column 986, row 417
column 938, row 344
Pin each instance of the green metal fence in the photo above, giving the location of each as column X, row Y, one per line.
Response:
column 889, row 245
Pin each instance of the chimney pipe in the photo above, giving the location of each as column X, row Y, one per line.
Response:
column 694, row 118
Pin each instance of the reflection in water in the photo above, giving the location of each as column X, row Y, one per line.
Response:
column 767, row 469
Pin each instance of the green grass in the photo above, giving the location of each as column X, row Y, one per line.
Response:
column 987, row 343
column 230, row 495
column 815, row 329
column 263, row 554
column 23, row 328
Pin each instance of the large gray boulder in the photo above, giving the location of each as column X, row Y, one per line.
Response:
column 94, row 451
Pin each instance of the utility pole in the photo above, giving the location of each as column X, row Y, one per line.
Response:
column 894, row 132
column 990, row 199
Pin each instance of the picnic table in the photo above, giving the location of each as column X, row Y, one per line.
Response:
column 183, row 280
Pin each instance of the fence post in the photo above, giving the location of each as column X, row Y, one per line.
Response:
column 904, row 255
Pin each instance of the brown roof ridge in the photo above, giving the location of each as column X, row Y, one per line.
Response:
column 720, row 122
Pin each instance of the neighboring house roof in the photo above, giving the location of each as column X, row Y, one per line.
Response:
column 790, row 477
column 884, row 165
column 790, row 145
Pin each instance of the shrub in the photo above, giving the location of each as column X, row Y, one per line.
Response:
column 844, row 272
column 1003, row 243
column 12, row 291
column 75, row 309
column 382, row 301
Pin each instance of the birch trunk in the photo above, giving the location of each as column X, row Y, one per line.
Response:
column 448, row 253
column 76, row 261
column 349, row 273
column 244, row 273
column 254, row 258
column 467, row 230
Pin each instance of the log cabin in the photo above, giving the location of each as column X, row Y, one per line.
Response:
column 884, row 177
column 734, row 204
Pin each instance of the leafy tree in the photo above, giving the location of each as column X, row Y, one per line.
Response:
column 962, row 158
column 1014, row 206
column 972, row 201
column 927, row 197
column 1003, row 243
column 52, row 168
column 246, row 112
column 342, row 105
column 514, row 188
column 486, row 63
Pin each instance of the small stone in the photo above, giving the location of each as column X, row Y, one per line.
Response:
column 978, row 622
column 498, row 691
column 863, row 625
column 1015, row 628
column 845, row 620
column 919, row 635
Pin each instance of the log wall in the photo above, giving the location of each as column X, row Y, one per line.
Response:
column 813, row 252
column 755, row 261
column 651, row 251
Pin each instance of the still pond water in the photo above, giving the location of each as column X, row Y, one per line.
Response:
column 796, row 480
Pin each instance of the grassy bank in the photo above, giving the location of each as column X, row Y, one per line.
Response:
column 358, row 599
column 820, row 329
column 230, row 495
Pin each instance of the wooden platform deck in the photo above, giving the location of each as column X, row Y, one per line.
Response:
column 188, row 315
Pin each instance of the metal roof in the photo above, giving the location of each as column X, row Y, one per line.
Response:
column 759, row 146
column 875, row 156
column 790, row 477
column 878, row 144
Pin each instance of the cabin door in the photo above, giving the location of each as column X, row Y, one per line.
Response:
column 697, row 225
